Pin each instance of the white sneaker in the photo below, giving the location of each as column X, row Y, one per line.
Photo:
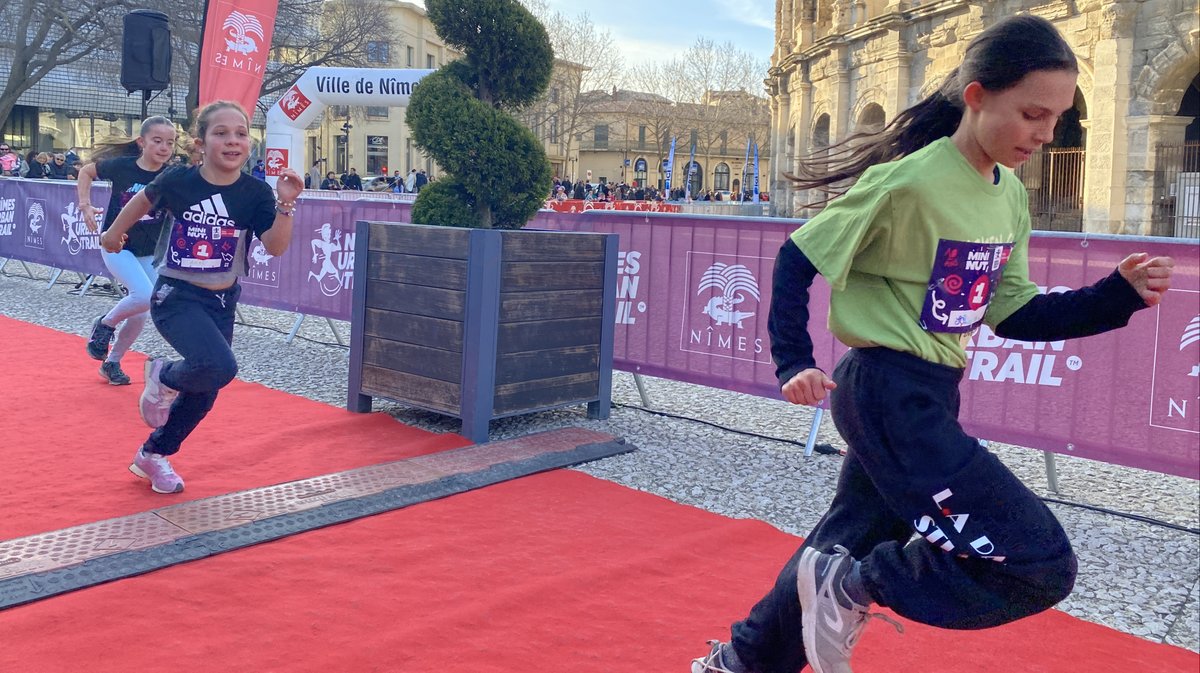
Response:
column 831, row 621
column 155, row 404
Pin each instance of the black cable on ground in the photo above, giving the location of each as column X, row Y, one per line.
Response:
column 831, row 450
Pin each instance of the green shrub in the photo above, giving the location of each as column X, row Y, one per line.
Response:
column 497, row 174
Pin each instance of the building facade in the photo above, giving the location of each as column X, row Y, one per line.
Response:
column 628, row 139
column 1125, row 160
column 375, row 140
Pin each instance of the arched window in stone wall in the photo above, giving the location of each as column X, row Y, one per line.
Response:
column 820, row 134
column 721, row 176
column 1189, row 106
column 1069, row 132
column 871, row 120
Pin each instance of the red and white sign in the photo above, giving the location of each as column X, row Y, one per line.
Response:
column 294, row 102
column 277, row 160
column 233, row 54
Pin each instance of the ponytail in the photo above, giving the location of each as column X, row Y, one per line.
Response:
column 998, row 58
column 935, row 117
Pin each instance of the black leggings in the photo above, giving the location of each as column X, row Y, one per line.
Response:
column 198, row 323
column 988, row 552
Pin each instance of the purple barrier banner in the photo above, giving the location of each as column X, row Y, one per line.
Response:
column 693, row 295
column 316, row 274
column 40, row 222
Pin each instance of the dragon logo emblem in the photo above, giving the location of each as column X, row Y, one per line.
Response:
column 733, row 282
column 240, row 31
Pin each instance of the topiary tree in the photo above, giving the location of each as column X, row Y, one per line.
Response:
column 498, row 174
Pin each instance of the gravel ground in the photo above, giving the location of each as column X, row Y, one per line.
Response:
column 1139, row 577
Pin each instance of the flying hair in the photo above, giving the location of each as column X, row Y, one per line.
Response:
column 998, row 58
column 129, row 148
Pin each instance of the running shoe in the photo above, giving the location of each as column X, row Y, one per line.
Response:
column 98, row 343
column 155, row 404
column 832, row 622
column 156, row 468
column 111, row 372
column 716, row 660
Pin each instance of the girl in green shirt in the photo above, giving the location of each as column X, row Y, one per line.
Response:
column 928, row 244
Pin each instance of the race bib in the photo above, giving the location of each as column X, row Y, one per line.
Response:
column 964, row 278
column 203, row 248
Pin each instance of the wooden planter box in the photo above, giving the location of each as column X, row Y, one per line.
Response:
column 480, row 323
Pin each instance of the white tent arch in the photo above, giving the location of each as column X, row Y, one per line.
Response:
column 317, row 89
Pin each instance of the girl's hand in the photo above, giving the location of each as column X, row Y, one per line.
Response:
column 111, row 243
column 808, row 387
column 1150, row 276
column 289, row 186
column 90, row 214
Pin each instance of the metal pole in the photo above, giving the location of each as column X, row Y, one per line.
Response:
column 1051, row 471
column 641, row 386
column 812, row 432
column 336, row 334
column 295, row 327
column 54, row 278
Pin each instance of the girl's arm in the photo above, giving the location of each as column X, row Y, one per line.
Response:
column 114, row 239
column 277, row 238
column 83, row 189
column 791, row 347
column 1138, row 282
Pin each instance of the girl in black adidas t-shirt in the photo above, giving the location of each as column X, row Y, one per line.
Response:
column 129, row 167
column 215, row 209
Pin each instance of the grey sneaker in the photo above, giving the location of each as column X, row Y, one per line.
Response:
column 111, row 372
column 832, row 623
column 156, row 468
column 716, row 661
column 155, row 404
column 102, row 336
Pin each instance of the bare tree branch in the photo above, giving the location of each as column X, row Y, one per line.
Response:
column 47, row 34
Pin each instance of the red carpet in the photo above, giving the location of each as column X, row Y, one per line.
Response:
column 557, row 572
column 68, row 438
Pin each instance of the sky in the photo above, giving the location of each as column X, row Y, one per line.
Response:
column 649, row 31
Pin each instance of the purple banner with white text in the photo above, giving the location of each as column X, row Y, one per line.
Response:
column 693, row 295
column 40, row 222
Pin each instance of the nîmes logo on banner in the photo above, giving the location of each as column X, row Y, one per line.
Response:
column 333, row 259
column 240, row 31
column 294, row 103
column 1175, row 389
column 35, row 223
column 719, row 319
column 277, row 160
column 75, row 234
column 264, row 269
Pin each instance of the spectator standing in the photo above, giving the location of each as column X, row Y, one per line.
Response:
column 352, row 180
column 259, row 172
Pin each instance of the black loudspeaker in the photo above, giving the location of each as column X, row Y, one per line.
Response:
column 146, row 51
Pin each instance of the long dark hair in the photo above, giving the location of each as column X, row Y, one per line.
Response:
column 998, row 58
column 129, row 148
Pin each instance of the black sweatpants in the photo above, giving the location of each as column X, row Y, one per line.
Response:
column 198, row 323
column 988, row 552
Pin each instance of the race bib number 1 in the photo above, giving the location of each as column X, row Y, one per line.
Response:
column 964, row 278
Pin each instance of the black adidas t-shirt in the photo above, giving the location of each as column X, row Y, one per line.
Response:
column 128, row 179
column 210, row 226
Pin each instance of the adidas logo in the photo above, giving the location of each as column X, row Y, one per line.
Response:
column 209, row 212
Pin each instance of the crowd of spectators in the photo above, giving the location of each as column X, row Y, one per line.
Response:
column 39, row 165
column 351, row 180
column 563, row 189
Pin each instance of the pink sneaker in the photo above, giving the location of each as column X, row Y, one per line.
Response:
column 155, row 404
column 156, row 468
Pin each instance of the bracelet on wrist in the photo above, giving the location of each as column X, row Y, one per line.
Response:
column 285, row 208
